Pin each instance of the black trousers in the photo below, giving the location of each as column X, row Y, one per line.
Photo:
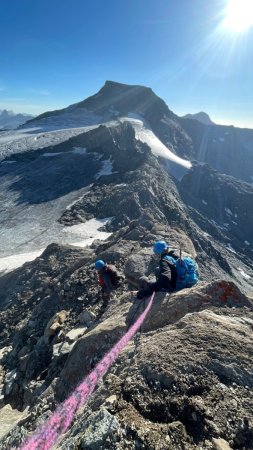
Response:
column 161, row 283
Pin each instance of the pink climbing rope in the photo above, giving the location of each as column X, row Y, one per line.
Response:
column 63, row 416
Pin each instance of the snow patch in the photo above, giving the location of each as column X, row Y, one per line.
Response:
column 244, row 274
column 228, row 211
column 48, row 155
column 246, row 242
column 75, row 151
column 106, row 168
column 81, row 197
column 204, row 202
column 89, row 231
column 79, row 150
column 175, row 165
column 12, row 262
column 230, row 248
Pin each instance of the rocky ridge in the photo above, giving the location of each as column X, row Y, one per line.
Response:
column 185, row 381
column 198, row 390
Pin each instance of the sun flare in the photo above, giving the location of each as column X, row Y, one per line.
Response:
column 239, row 15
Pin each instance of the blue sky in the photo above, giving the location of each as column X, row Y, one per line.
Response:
column 58, row 52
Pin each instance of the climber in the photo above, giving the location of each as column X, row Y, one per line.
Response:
column 174, row 272
column 108, row 279
column 166, row 274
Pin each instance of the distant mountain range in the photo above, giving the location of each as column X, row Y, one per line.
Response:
column 10, row 120
column 201, row 117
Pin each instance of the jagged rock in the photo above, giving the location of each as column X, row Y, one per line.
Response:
column 110, row 402
column 98, row 429
column 138, row 265
column 170, row 308
column 56, row 323
column 9, row 418
column 9, row 380
column 63, row 348
column 87, row 318
column 3, row 352
column 75, row 334
column 88, row 350
column 221, row 444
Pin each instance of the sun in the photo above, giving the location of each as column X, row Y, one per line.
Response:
column 238, row 15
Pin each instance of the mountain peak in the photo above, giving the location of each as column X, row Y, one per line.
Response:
column 116, row 85
column 201, row 116
column 116, row 99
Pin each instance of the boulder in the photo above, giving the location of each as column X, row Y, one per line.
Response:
column 75, row 334
column 170, row 308
column 98, row 428
column 55, row 324
column 62, row 348
column 87, row 318
column 88, row 350
column 221, row 444
column 9, row 419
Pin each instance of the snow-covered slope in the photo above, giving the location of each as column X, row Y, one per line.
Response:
column 70, row 117
column 176, row 166
column 27, row 139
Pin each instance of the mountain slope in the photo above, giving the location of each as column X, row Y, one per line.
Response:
column 10, row 120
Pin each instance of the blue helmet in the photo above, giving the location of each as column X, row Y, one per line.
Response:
column 99, row 264
column 159, row 247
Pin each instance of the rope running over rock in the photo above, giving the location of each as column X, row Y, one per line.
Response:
column 63, row 416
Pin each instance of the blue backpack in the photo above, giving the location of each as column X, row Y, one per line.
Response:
column 187, row 271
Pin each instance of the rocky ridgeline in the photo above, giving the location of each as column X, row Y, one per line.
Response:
column 185, row 382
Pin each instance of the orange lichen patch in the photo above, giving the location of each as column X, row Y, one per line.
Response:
column 227, row 292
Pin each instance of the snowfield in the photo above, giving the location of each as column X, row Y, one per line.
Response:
column 176, row 166
column 20, row 141
column 81, row 235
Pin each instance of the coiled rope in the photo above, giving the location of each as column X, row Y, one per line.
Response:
column 61, row 419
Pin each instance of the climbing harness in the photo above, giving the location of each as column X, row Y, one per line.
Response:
column 61, row 419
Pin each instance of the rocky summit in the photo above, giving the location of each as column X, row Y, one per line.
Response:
column 185, row 380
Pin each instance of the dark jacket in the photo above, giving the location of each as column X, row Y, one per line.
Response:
column 108, row 277
column 167, row 271
column 167, row 276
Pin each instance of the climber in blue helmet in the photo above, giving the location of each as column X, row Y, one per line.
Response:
column 108, row 279
column 166, row 273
